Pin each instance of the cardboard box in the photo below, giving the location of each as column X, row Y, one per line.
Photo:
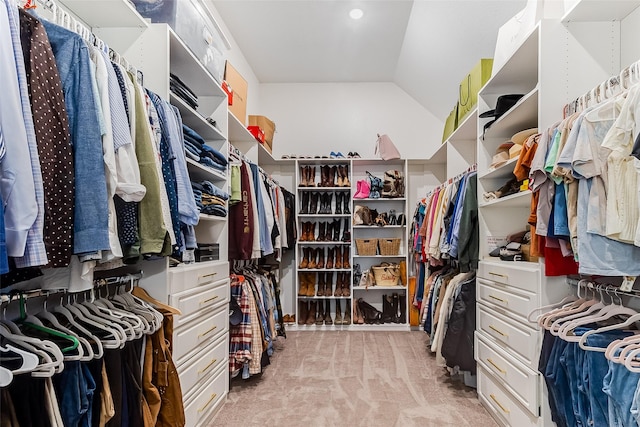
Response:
column 240, row 88
column 267, row 126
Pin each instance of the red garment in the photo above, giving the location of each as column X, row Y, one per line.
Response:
column 557, row 265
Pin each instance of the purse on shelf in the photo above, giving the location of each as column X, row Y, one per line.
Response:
column 385, row 149
column 375, row 185
column 393, row 184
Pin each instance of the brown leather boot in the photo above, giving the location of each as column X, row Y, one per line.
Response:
column 303, row 308
column 319, row 313
column 331, row 178
column 322, row 232
column 321, row 285
column 312, row 176
column 338, row 263
column 303, row 176
column 327, row 313
column 346, row 288
column 345, row 177
column 320, row 263
column 302, row 280
column 313, row 205
column 304, row 263
column 330, row 255
column 339, row 178
column 347, row 314
column 311, row 233
column 338, row 291
column 311, row 315
column 338, row 320
column 345, row 257
column 313, row 256
column 323, row 176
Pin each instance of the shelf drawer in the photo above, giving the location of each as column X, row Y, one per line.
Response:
column 199, row 332
column 193, row 301
column 521, row 340
column 519, row 276
column 521, row 381
column 199, row 410
column 517, row 301
column 184, row 277
column 501, row 403
column 203, row 364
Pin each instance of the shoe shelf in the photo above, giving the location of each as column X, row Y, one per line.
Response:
column 503, row 172
column 380, row 199
column 206, row 217
column 385, row 288
column 324, row 189
column 201, row 172
column 315, row 297
column 324, row 215
column 325, row 270
column 380, row 256
column 517, row 200
column 380, row 327
column 312, row 243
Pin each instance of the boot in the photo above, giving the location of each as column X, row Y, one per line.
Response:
column 387, row 309
column 340, row 179
column 302, row 280
column 320, row 263
column 324, row 176
column 331, row 177
column 303, row 176
column 336, row 230
column 311, row 315
column 346, row 202
column 328, row 291
column 346, row 288
column 358, row 318
column 311, row 233
column 346, row 233
column 303, row 308
column 303, row 234
column 327, row 313
column 311, row 284
column 330, row 255
column 319, row 313
column 347, row 313
column 313, row 255
column 338, row 320
column 313, row 206
column 323, row 203
column 304, row 263
column 345, row 257
column 311, row 176
column 396, row 301
column 338, row 291
column 328, row 203
column 345, row 177
column 305, row 203
column 338, row 263
column 322, row 228
column 403, row 309
column 321, row 286
column 338, row 203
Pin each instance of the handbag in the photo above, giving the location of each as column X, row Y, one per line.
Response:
column 376, row 186
column 385, row 149
column 451, row 124
column 393, row 184
column 471, row 85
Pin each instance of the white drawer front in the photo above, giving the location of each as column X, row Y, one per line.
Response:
column 512, row 274
column 207, row 398
column 517, row 301
column 189, row 276
column 520, row 380
column 193, row 301
column 501, row 403
column 521, row 340
column 207, row 361
column 198, row 332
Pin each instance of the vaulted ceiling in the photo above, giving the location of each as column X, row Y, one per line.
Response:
column 424, row 46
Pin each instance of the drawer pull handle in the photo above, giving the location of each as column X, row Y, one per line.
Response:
column 207, row 332
column 207, row 367
column 497, row 299
column 502, row 371
column 498, row 275
column 204, row 301
column 498, row 331
column 505, row 410
column 213, row 396
column 207, row 275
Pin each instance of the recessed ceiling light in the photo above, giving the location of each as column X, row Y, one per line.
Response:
column 356, row 13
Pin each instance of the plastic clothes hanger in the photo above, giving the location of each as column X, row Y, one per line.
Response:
column 108, row 337
column 46, row 316
column 107, row 316
column 50, row 356
column 94, row 342
column 576, row 307
column 631, row 363
column 29, row 360
column 6, row 376
column 79, row 310
column 628, row 322
column 563, row 303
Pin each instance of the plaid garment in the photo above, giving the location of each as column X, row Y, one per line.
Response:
column 255, row 365
column 240, row 335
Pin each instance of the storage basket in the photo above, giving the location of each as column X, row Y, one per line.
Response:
column 389, row 246
column 386, row 275
column 366, row 246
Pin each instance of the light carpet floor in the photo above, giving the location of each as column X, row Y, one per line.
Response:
column 352, row 379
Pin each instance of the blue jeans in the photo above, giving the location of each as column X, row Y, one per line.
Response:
column 74, row 388
column 559, row 382
column 620, row 386
column 635, row 407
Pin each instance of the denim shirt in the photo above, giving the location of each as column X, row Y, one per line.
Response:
column 90, row 227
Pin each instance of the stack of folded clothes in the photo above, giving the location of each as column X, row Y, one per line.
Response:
column 210, row 199
column 181, row 90
column 196, row 149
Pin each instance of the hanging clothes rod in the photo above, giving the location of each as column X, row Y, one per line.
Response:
column 595, row 286
column 472, row 168
column 237, row 153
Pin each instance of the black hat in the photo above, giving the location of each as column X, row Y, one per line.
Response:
column 503, row 104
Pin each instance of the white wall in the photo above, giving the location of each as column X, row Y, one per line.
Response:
column 317, row 118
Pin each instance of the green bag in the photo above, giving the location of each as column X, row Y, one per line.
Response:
column 451, row 124
column 471, row 85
